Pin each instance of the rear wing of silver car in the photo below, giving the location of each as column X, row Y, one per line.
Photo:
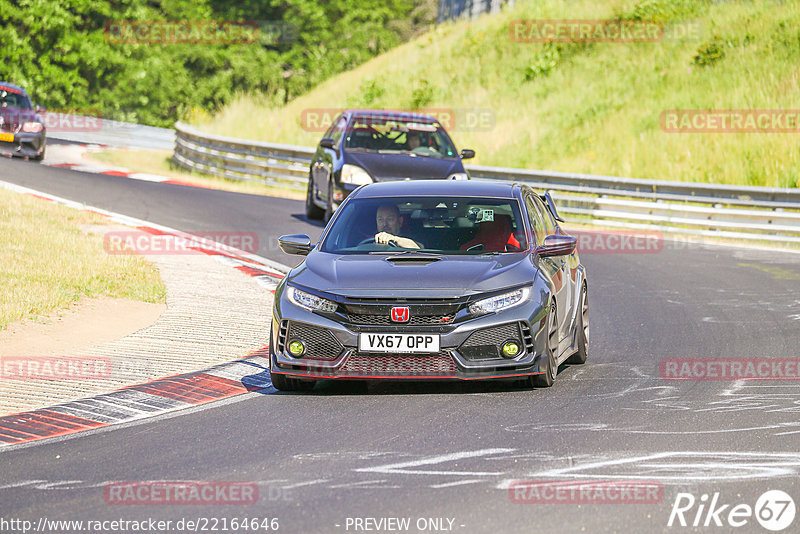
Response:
column 551, row 205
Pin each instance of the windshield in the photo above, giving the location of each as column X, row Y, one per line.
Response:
column 438, row 225
column 11, row 98
column 387, row 135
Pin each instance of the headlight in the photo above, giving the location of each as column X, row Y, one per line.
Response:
column 500, row 302
column 353, row 174
column 458, row 176
column 32, row 127
column 309, row 301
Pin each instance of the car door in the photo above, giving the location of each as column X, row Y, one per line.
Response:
column 555, row 267
column 567, row 274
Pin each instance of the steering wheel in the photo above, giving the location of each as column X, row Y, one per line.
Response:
column 391, row 243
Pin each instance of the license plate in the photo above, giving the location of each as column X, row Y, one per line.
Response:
column 398, row 342
column 7, row 137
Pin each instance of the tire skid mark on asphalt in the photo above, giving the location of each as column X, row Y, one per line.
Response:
column 678, row 468
column 404, row 468
column 456, row 483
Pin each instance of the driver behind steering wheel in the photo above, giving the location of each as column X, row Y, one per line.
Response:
column 388, row 221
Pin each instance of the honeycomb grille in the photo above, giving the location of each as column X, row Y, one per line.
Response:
column 385, row 320
column 400, row 365
column 485, row 344
column 320, row 343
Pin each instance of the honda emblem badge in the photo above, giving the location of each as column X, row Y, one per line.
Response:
column 400, row 314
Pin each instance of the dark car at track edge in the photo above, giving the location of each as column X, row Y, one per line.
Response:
column 363, row 146
column 22, row 130
column 432, row 280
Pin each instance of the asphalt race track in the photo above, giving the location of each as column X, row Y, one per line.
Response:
column 444, row 454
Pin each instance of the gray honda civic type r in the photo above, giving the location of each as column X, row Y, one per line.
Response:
column 432, row 280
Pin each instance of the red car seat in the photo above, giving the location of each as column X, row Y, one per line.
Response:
column 494, row 235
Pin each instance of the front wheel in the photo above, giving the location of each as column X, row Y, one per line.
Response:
column 39, row 157
column 284, row 383
column 548, row 367
column 313, row 211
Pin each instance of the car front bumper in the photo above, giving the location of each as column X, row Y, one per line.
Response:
column 459, row 358
column 28, row 145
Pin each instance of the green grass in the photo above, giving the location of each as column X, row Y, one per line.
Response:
column 590, row 108
column 48, row 262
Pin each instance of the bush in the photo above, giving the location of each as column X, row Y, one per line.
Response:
column 60, row 53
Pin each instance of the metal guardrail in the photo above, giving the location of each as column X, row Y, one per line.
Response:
column 740, row 212
column 240, row 159
column 97, row 130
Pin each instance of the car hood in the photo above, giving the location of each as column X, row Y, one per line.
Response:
column 375, row 276
column 401, row 166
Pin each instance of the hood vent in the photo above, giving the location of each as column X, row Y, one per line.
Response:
column 413, row 260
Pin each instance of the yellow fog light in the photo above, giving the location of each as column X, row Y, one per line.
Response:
column 296, row 348
column 510, row 349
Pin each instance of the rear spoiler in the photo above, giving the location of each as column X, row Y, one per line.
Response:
column 547, row 199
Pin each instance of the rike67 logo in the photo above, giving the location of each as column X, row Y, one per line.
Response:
column 774, row 510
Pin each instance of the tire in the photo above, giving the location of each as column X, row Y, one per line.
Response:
column 313, row 211
column 582, row 332
column 329, row 206
column 40, row 157
column 283, row 383
column 546, row 379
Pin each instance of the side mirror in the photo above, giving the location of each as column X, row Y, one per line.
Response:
column 467, row 153
column 39, row 109
column 557, row 245
column 327, row 142
column 295, row 244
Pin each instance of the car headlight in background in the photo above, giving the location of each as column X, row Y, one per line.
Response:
column 458, row 176
column 309, row 301
column 353, row 174
column 32, row 127
column 500, row 302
